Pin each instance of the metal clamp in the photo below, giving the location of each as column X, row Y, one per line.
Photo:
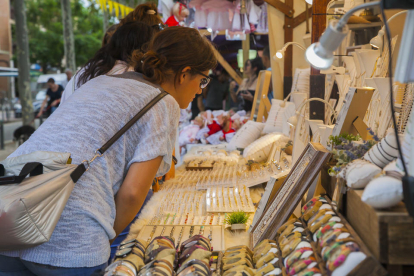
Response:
column 88, row 163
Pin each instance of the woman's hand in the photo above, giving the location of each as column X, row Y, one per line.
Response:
column 247, row 96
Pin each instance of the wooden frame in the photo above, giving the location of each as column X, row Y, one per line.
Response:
column 291, row 192
column 261, row 104
column 273, row 185
column 355, row 106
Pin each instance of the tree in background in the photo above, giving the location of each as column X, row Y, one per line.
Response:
column 46, row 32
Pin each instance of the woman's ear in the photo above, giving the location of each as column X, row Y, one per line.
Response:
column 185, row 74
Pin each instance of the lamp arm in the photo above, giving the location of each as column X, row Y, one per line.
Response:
column 345, row 18
column 292, row 43
column 299, row 110
column 395, row 15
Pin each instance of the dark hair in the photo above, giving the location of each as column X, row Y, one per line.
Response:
column 266, row 52
column 256, row 63
column 171, row 51
column 127, row 38
column 146, row 13
column 108, row 34
column 51, row 80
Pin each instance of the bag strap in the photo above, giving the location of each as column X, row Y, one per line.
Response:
column 84, row 166
column 32, row 168
column 131, row 122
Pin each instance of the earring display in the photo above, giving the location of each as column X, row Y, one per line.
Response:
column 224, row 199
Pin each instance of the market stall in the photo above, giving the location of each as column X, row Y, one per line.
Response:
column 292, row 191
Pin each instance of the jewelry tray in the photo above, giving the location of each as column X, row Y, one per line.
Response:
column 217, row 242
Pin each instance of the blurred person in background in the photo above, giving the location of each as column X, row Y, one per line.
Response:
column 69, row 75
column 245, row 94
column 217, row 90
column 53, row 96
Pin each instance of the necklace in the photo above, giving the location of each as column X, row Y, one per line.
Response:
column 191, row 231
column 172, row 233
column 179, row 237
column 201, row 230
column 152, row 234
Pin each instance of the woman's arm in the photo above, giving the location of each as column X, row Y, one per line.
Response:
column 133, row 191
column 233, row 94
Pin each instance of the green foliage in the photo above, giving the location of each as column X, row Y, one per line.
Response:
column 44, row 22
column 239, row 217
column 338, row 140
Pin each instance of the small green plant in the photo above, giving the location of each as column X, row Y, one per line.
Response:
column 239, row 217
column 340, row 139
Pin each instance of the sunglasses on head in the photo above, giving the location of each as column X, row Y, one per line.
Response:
column 204, row 81
column 159, row 27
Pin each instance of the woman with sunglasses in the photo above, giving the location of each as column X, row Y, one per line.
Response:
column 119, row 42
column 109, row 195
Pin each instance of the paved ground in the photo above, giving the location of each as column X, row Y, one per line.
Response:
column 8, row 149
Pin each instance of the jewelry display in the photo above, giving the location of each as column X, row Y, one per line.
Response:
column 225, row 199
column 406, row 107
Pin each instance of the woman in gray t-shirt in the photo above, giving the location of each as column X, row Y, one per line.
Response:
column 108, row 196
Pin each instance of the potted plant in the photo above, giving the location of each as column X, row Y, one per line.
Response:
column 237, row 220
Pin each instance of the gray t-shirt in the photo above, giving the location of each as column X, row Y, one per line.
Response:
column 83, row 124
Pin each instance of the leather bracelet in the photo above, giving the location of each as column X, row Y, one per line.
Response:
column 124, row 269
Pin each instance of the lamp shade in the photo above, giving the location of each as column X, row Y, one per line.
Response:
column 378, row 41
column 318, row 57
column 279, row 54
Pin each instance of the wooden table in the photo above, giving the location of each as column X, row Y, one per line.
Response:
column 389, row 234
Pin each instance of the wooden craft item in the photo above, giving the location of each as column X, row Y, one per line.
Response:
column 273, row 185
column 362, row 129
column 355, row 105
column 261, row 104
column 291, row 192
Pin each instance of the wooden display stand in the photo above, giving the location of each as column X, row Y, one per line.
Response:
column 389, row 234
column 261, row 104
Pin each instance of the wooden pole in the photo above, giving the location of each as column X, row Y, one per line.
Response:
column 68, row 37
column 246, row 50
column 227, row 67
column 23, row 61
column 317, row 80
column 288, row 58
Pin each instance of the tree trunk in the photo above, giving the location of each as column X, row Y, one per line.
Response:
column 105, row 21
column 23, row 61
column 68, row 35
